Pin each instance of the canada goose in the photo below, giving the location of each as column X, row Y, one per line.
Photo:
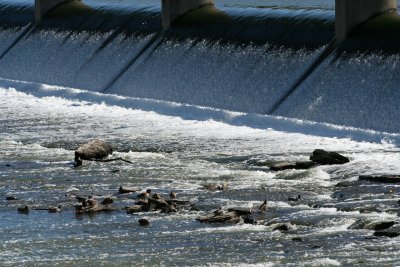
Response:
column 263, row 206
column 172, row 195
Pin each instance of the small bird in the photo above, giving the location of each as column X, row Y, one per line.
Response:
column 144, row 222
column 263, row 206
column 157, row 196
column 219, row 212
column 172, row 195
column 55, row 209
column 144, row 195
column 298, row 198
column 107, row 201
column 24, row 210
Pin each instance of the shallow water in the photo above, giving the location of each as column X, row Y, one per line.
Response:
column 41, row 128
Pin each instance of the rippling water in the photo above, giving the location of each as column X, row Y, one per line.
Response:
column 42, row 126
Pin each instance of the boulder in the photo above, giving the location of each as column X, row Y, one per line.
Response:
column 389, row 179
column 94, row 150
column 328, row 158
column 298, row 165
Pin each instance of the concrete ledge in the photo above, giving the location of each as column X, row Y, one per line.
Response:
column 44, row 6
column 351, row 13
column 172, row 9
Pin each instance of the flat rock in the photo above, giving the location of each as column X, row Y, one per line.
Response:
column 224, row 217
column 95, row 149
column 389, row 179
column 298, row 165
column 127, row 189
column 328, row 158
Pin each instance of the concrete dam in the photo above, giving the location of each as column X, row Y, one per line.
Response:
column 333, row 63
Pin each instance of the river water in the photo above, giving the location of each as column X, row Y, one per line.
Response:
column 182, row 146
column 40, row 131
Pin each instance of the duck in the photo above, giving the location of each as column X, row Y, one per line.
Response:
column 24, row 210
column 172, row 195
column 157, row 196
column 55, row 209
column 144, row 195
column 107, row 201
column 263, row 206
column 294, row 199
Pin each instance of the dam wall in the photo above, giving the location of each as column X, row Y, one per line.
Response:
column 236, row 59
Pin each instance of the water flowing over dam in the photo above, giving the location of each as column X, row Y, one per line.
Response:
column 203, row 110
column 265, row 60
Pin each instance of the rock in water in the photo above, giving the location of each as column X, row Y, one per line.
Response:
column 95, row 149
column 298, row 165
column 393, row 231
column 328, row 158
column 389, row 179
column 144, row 222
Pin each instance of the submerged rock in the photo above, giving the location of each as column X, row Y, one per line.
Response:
column 298, row 165
column 328, row 158
column 389, row 179
column 11, row 198
column 93, row 150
